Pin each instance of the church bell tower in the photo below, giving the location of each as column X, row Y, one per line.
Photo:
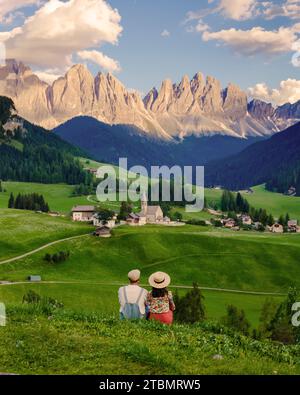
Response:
column 144, row 203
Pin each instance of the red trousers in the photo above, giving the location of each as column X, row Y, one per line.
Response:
column 165, row 318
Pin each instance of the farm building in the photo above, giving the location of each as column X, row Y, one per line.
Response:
column 103, row 231
column 83, row 213
column 136, row 220
column 246, row 220
column 34, row 279
column 276, row 228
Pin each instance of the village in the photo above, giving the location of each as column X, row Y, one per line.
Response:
column 245, row 222
column 148, row 215
column 154, row 215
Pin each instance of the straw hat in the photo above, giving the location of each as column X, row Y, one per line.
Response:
column 159, row 280
column 134, row 275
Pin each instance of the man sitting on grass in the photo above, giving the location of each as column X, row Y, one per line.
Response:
column 132, row 298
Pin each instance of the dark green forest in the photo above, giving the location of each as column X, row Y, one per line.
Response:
column 30, row 153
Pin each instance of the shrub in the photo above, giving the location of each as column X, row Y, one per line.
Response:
column 61, row 256
column 45, row 304
column 190, row 308
column 236, row 319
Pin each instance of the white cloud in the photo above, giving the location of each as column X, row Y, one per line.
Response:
column 201, row 27
column 289, row 9
column 165, row 33
column 8, row 6
column 48, row 76
column 59, row 29
column 256, row 40
column 100, row 59
column 288, row 92
column 231, row 9
column 238, row 9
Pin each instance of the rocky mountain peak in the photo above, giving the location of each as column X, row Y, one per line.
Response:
column 198, row 106
column 235, row 101
column 260, row 109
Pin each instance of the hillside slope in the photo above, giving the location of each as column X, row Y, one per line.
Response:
column 275, row 158
column 30, row 153
column 79, row 344
column 109, row 143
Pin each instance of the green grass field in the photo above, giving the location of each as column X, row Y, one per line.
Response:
column 59, row 197
column 274, row 203
column 22, row 231
column 214, row 258
column 64, row 343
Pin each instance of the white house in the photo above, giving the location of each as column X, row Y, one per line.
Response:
column 83, row 213
column 111, row 223
column 277, row 228
column 246, row 220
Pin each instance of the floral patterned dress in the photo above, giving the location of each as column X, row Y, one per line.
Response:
column 161, row 309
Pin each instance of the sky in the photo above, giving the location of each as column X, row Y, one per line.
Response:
column 252, row 43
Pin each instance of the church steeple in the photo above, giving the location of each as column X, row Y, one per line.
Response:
column 144, row 203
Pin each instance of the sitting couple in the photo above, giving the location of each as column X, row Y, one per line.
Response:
column 138, row 303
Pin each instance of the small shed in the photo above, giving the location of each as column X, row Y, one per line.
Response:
column 34, row 279
column 103, row 231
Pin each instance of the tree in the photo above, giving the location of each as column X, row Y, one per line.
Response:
column 11, row 201
column 280, row 327
column 268, row 311
column 281, row 220
column 270, row 220
column 236, row 319
column 190, row 308
column 287, row 218
column 125, row 210
column 177, row 216
column 104, row 215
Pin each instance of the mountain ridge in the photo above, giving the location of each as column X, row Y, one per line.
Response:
column 275, row 161
column 198, row 106
column 107, row 143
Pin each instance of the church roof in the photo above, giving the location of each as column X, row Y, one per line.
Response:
column 151, row 210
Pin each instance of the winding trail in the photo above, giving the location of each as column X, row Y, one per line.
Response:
column 10, row 260
column 8, row 283
column 42, row 248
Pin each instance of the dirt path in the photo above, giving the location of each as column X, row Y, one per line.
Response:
column 42, row 248
column 7, row 283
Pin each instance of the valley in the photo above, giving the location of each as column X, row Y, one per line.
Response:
column 88, row 281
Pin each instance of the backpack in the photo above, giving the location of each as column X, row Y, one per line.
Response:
column 131, row 311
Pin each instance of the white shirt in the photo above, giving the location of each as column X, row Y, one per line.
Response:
column 133, row 292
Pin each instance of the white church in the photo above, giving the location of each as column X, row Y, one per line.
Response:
column 148, row 215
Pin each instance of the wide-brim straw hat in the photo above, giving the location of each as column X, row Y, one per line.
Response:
column 159, row 280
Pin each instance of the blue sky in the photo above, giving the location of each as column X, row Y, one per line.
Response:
column 247, row 42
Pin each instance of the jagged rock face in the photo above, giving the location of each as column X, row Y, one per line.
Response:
column 288, row 111
column 235, row 102
column 28, row 92
column 198, row 106
column 260, row 109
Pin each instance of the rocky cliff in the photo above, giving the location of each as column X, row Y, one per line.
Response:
column 199, row 106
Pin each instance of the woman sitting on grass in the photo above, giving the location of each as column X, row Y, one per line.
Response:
column 160, row 301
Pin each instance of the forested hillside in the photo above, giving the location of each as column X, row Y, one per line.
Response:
column 275, row 161
column 30, row 153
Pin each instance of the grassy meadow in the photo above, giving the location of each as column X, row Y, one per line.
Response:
column 274, row 203
column 89, row 279
column 35, row 343
column 22, row 231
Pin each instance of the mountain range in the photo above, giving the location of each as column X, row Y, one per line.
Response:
column 193, row 107
column 108, row 143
